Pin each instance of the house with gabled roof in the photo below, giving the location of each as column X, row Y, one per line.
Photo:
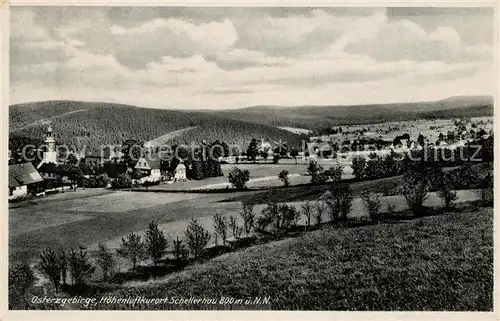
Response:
column 150, row 167
column 23, row 180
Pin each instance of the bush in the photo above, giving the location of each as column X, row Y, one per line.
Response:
column 320, row 210
column 487, row 193
column 465, row 177
column 156, row 243
column 338, row 199
column 307, row 211
column 358, row 167
column 248, row 216
column 220, row 228
column 133, row 249
column 21, row 279
column 239, row 178
column 414, row 188
column 271, row 214
column 196, row 237
column 105, row 260
column 50, row 266
column 79, row 266
column 289, row 215
column 283, row 176
column 263, row 222
column 180, row 251
column 236, row 230
column 372, row 203
column 122, row 181
column 334, row 173
column 317, row 173
column 63, row 265
column 446, row 193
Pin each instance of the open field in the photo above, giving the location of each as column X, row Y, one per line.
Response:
column 261, row 175
column 91, row 219
column 433, row 263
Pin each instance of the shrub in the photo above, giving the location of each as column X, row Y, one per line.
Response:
column 334, row 173
column 236, row 230
column 358, row 167
column 122, row 181
column 446, row 193
column 133, row 249
column 338, row 198
column 220, row 228
column 248, row 216
column 79, row 266
column 179, row 251
column 414, row 188
column 487, row 193
column 196, row 237
column 156, row 243
column 317, row 173
column 63, row 265
column 50, row 266
column 21, row 279
column 372, row 203
column 263, row 222
column 239, row 178
column 289, row 215
column 105, row 260
column 271, row 214
column 283, row 176
column 307, row 211
column 320, row 210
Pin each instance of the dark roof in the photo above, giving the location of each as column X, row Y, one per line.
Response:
column 154, row 163
column 153, row 160
column 49, row 168
column 23, row 174
column 114, row 169
column 95, row 155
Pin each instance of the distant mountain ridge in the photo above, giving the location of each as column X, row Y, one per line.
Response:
column 93, row 124
column 315, row 117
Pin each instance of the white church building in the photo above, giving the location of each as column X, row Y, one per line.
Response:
column 50, row 155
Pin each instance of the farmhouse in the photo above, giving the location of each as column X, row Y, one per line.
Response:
column 149, row 167
column 23, row 179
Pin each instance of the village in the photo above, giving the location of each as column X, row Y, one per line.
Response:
column 56, row 172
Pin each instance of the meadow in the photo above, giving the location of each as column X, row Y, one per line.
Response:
column 433, row 263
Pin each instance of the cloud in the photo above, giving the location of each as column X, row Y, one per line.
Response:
column 404, row 39
column 230, row 57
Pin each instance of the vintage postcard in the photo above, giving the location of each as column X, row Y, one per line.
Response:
column 255, row 157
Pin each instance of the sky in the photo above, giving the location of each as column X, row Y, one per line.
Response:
column 188, row 57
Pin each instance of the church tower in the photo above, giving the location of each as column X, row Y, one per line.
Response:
column 50, row 155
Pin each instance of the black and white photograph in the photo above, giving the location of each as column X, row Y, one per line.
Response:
column 274, row 158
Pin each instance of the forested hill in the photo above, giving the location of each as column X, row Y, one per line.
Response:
column 318, row 117
column 94, row 124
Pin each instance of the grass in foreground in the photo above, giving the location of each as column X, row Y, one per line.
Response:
column 433, row 263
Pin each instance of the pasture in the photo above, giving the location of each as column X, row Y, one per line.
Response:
column 429, row 264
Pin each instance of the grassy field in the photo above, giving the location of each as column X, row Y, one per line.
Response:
column 433, row 263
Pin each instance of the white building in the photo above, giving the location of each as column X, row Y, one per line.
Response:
column 50, row 155
column 180, row 173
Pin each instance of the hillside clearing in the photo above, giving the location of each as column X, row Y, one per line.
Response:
column 433, row 263
column 165, row 138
